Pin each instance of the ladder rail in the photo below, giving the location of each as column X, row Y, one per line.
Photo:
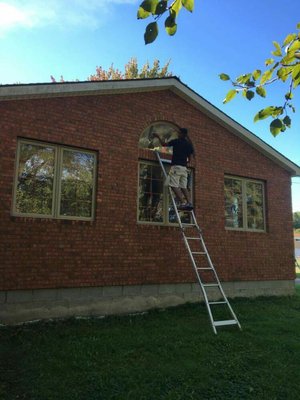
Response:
column 205, row 252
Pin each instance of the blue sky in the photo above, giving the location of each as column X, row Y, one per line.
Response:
column 71, row 37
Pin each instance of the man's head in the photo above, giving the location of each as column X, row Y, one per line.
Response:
column 183, row 132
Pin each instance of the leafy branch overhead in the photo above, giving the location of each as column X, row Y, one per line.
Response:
column 156, row 9
column 283, row 67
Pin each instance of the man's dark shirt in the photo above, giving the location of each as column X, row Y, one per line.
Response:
column 182, row 150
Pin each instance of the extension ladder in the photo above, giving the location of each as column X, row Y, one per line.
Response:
column 214, row 282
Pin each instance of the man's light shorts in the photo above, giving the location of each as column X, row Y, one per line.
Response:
column 177, row 177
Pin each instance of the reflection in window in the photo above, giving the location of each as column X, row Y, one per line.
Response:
column 244, row 204
column 255, row 209
column 54, row 181
column 150, row 193
column 34, row 192
column 76, row 193
column 165, row 130
column 154, row 201
column 233, row 203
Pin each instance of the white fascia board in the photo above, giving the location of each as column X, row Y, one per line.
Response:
column 18, row 92
column 29, row 91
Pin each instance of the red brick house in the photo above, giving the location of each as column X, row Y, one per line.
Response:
column 86, row 226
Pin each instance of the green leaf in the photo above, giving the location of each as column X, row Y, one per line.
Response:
column 267, row 75
column 149, row 5
column 151, row 32
column 170, row 25
column 176, row 6
column 243, row 79
column 276, row 126
column 269, row 61
column 256, row 74
column 290, row 37
column 224, row 77
column 188, row 4
column 289, row 96
column 295, row 70
column 250, row 94
column 264, row 113
column 230, row 95
column 161, row 7
column 141, row 14
column 287, row 121
column 278, row 51
column 298, row 25
column 261, row 91
column 289, row 58
column 294, row 46
column 284, row 72
column 244, row 92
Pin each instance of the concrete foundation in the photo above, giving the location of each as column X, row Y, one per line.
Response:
column 19, row 306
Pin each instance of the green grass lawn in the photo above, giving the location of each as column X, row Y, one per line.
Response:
column 171, row 354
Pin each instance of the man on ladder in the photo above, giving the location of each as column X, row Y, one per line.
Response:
column 183, row 149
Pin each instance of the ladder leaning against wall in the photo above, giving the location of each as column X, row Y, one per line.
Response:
column 195, row 241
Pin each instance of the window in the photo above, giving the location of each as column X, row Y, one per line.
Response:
column 154, row 201
column 165, row 130
column 54, row 181
column 244, row 204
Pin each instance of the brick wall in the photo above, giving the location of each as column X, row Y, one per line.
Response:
column 114, row 249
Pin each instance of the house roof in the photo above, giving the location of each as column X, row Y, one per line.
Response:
column 46, row 90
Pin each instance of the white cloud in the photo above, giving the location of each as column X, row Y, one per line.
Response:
column 65, row 13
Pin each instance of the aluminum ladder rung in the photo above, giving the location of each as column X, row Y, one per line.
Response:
column 192, row 238
column 210, row 285
column 188, row 225
column 198, row 252
column 226, row 322
column 217, row 302
column 208, row 268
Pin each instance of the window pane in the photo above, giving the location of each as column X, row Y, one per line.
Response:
column 150, row 193
column 233, row 203
column 255, row 209
column 77, row 182
column 34, row 194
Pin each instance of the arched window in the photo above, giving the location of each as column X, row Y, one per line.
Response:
column 154, row 201
column 165, row 130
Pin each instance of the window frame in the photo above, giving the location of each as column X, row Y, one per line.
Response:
column 57, row 171
column 244, row 182
column 166, row 195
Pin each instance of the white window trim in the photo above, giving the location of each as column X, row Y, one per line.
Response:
column 244, row 201
column 56, row 182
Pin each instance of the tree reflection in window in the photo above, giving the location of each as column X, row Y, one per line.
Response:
column 76, row 184
column 255, row 214
column 35, row 180
column 54, row 181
